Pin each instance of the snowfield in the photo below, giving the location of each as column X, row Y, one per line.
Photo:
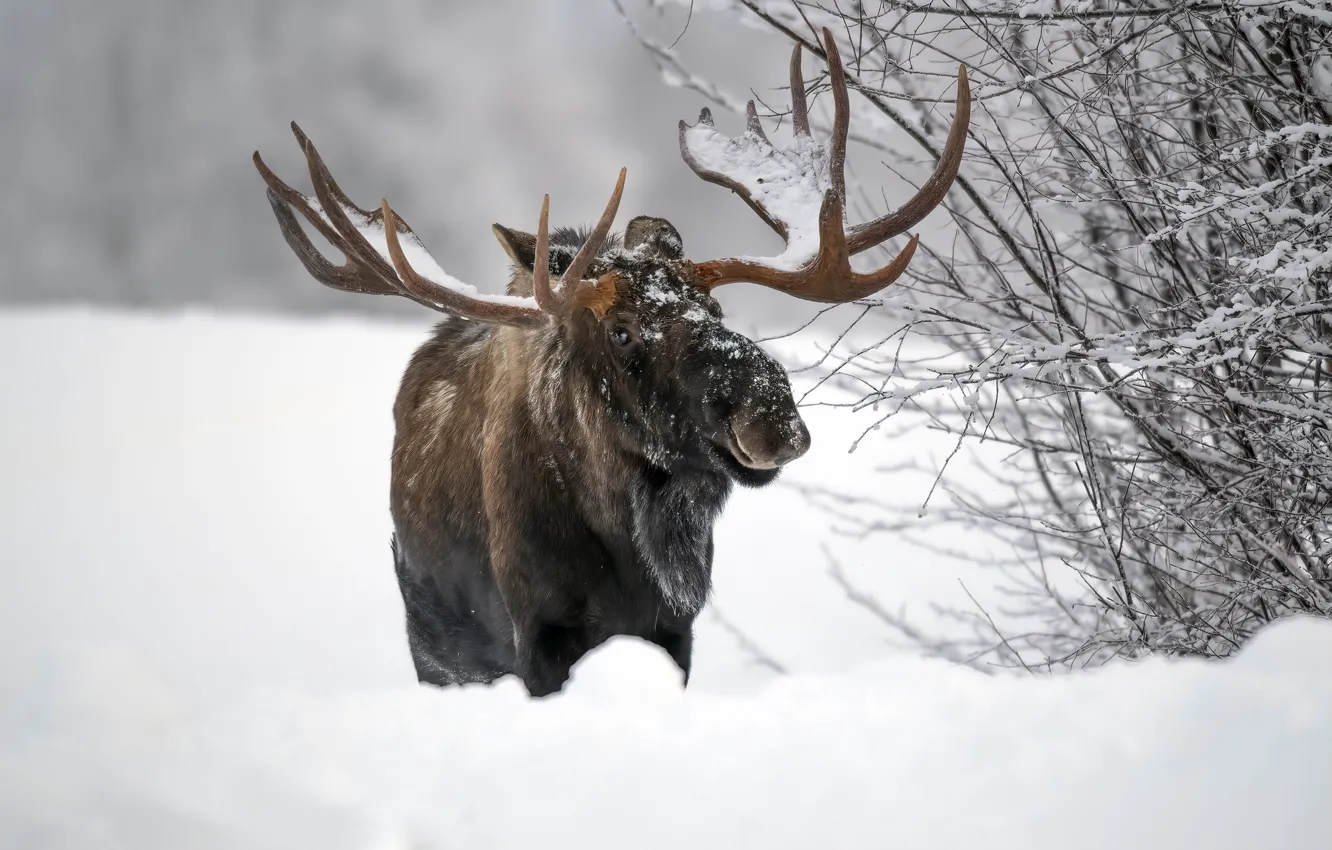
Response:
column 201, row 646
column 905, row 753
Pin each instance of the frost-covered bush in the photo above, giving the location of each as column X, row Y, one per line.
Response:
column 1134, row 296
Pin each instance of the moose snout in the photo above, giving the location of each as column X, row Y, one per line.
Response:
column 762, row 443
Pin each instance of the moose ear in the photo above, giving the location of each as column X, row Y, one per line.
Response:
column 520, row 246
column 654, row 234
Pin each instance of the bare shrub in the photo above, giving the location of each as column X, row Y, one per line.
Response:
column 1137, row 306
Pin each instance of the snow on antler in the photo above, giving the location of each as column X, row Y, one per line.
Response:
column 372, row 230
column 787, row 182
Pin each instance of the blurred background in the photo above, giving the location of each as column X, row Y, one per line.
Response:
column 127, row 128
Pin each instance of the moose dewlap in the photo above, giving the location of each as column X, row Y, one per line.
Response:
column 562, row 451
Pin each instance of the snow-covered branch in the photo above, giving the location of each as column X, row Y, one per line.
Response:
column 1134, row 302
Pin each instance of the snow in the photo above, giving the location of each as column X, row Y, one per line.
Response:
column 201, row 646
column 417, row 256
column 1264, row 10
column 789, row 182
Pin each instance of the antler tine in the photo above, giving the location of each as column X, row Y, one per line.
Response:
column 541, row 290
column 336, row 190
column 752, row 123
column 933, row 191
column 353, row 242
column 841, row 116
column 348, row 277
column 594, row 241
column 345, row 277
column 799, row 108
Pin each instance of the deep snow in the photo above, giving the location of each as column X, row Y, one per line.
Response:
column 211, row 494
column 200, row 644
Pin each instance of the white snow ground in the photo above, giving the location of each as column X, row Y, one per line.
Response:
column 200, row 646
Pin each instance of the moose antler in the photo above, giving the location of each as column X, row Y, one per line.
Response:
column 376, row 244
column 782, row 184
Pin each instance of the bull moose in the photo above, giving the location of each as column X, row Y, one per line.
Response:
column 562, row 451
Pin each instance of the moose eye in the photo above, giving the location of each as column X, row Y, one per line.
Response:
column 621, row 337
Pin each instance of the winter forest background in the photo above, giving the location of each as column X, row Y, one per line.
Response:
column 128, row 129
column 1090, row 426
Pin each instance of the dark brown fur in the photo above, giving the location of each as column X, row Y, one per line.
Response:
column 551, row 489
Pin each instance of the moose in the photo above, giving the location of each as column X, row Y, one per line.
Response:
column 562, row 451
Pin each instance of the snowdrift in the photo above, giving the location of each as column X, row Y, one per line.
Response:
column 904, row 753
column 201, row 646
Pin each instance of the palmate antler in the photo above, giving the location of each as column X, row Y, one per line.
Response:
column 800, row 192
column 377, row 243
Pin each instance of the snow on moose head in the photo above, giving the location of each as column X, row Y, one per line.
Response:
column 682, row 388
column 558, row 444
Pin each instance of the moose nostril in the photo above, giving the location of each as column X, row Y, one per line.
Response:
column 764, row 443
column 794, row 447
